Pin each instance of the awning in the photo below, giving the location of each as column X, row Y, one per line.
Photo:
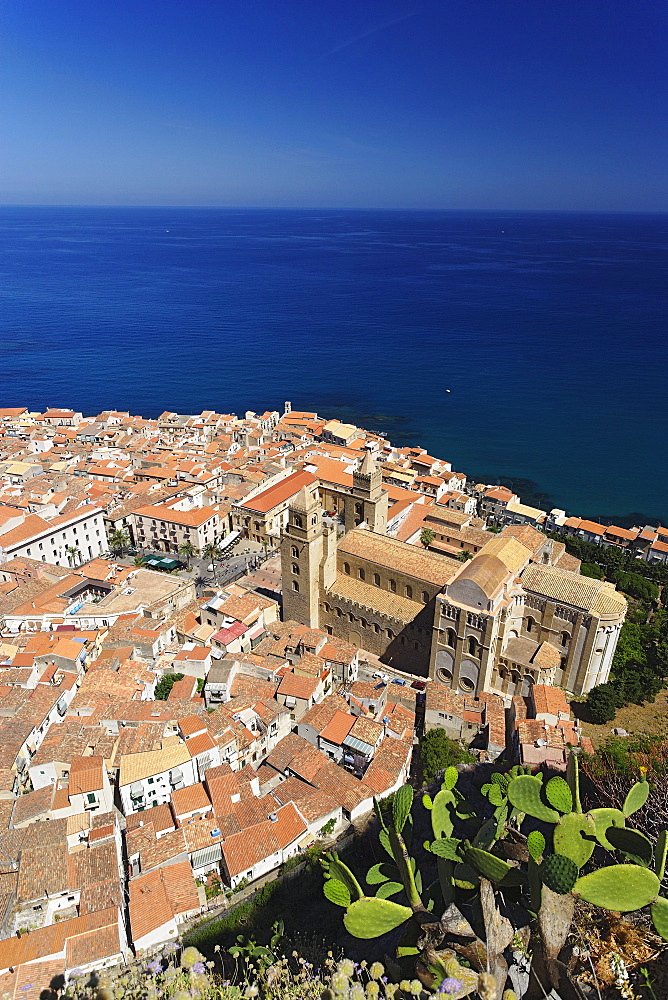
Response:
column 256, row 631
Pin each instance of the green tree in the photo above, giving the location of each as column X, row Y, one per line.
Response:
column 636, row 586
column 165, row 685
column 464, row 556
column 592, row 570
column 603, row 702
column 212, row 553
column 187, row 550
column 119, row 541
column 439, row 751
column 427, row 536
column 73, row 554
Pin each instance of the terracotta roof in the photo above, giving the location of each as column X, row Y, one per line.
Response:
column 160, row 895
column 399, row 556
column 86, row 775
column 190, row 799
column 338, row 727
column 280, row 492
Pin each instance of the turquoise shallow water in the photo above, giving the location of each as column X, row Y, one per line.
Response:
column 549, row 330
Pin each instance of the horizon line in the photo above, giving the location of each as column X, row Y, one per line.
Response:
column 335, row 208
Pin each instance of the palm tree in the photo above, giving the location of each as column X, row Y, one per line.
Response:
column 212, row 552
column 72, row 554
column 119, row 540
column 427, row 536
column 187, row 550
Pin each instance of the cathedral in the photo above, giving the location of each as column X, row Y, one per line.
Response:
column 511, row 617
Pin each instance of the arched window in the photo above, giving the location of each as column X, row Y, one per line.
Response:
column 565, row 638
column 450, row 637
column 295, row 552
column 361, row 574
column 389, row 633
column 409, row 591
column 359, row 509
column 425, row 597
column 298, row 521
column 363, row 622
column 393, row 586
column 295, row 569
column 339, row 613
column 472, row 645
column 376, row 628
column 257, row 525
column 376, row 579
column 351, row 617
column 346, row 569
column 295, row 586
column 530, row 624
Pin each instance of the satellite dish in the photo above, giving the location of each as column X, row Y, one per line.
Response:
column 541, row 743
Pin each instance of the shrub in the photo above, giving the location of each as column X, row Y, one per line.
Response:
column 592, row 570
column 439, row 751
column 165, row 685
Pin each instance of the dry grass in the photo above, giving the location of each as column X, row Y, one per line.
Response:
column 648, row 719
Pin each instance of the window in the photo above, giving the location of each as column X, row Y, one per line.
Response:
column 295, row 552
column 91, row 797
column 472, row 645
column 346, row 568
column 389, row 633
column 393, row 586
column 298, row 521
column 565, row 638
column 409, row 591
column 530, row 624
column 295, row 586
column 425, row 597
column 295, row 569
column 376, row 579
column 450, row 637
column 361, row 574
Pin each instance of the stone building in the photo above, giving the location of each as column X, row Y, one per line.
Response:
column 516, row 614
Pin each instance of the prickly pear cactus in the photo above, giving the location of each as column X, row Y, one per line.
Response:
column 637, row 797
column 558, row 873
column 618, row 887
column 370, row 917
column 525, row 793
column 536, row 845
column 558, row 794
column 574, row 837
column 634, row 844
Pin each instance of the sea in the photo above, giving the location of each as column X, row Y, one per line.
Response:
column 526, row 348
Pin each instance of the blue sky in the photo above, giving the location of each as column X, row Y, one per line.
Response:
column 536, row 104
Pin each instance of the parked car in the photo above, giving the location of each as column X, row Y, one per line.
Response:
column 380, row 676
column 418, row 685
column 399, row 680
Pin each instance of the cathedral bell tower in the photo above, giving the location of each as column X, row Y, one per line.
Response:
column 368, row 500
column 301, row 558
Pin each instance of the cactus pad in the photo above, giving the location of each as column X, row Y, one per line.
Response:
column 381, row 873
column 401, row 806
column 573, row 779
column 336, row 892
column 486, row 835
column 441, row 819
column 446, row 847
column 634, row 844
column 660, row 852
column 465, row 877
column 603, row 820
column 659, row 913
column 525, row 793
column 335, row 868
column 558, row 794
column 388, row 889
column 536, row 845
column 574, row 837
column 558, row 873
column 488, row 865
column 636, row 798
column 618, row 887
column 450, row 777
column 369, row 917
